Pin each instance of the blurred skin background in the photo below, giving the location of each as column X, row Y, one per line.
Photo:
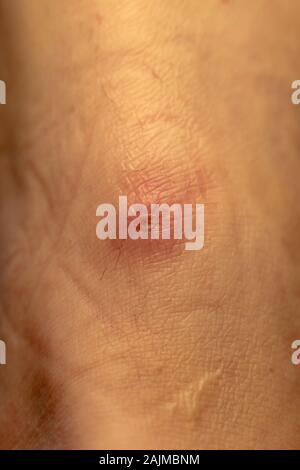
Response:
column 109, row 346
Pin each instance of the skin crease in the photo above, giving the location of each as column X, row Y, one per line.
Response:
column 115, row 347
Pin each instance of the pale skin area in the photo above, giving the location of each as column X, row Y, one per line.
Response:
column 113, row 347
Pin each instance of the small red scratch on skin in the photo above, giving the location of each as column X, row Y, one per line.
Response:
column 103, row 273
column 152, row 71
column 99, row 19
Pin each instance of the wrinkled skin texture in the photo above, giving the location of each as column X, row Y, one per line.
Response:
column 120, row 346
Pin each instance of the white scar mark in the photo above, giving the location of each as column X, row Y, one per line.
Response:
column 188, row 399
column 2, row 92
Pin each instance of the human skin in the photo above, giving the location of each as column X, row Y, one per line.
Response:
column 117, row 345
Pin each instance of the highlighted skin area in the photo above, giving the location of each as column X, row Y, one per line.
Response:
column 160, row 212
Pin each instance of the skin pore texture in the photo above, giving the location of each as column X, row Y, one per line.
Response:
column 115, row 345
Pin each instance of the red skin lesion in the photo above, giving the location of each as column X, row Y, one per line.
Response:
column 167, row 185
column 99, row 19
